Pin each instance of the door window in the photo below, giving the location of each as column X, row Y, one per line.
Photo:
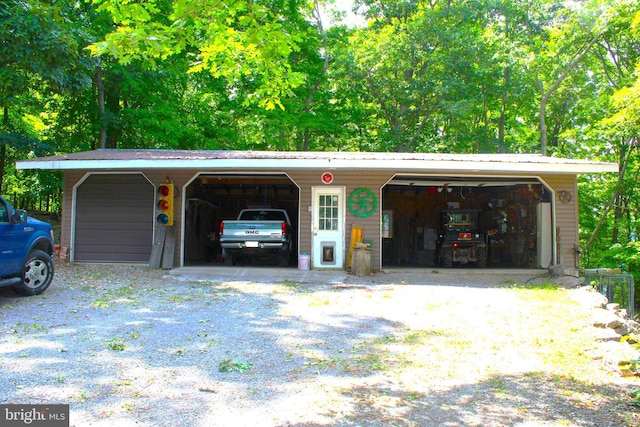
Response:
column 328, row 213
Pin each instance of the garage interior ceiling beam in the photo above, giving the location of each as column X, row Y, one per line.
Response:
column 446, row 181
column 244, row 179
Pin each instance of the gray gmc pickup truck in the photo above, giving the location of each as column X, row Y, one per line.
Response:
column 257, row 233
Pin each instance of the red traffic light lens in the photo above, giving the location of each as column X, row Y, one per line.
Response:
column 164, row 190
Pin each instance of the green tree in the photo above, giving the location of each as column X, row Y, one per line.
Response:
column 610, row 132
column 38, row 52
column 452, row 76
column 231, row 40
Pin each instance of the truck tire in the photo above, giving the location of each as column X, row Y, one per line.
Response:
column 283, row 258
column 447, row 258
column 37, row 274
column 227, row 258
column 482, row 257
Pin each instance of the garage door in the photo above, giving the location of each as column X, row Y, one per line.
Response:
column 114, row 219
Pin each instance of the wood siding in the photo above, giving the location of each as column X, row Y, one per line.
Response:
column 350, row 180
column 566, row 212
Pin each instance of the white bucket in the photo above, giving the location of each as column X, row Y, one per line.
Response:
column 303, row 262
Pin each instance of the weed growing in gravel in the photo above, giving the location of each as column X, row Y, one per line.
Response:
column 122, row 294
column 178, row 298
column 365, row 357
column 544, row 285
column 26, row 328
column 115, row 344
column 318, row 301
column 371, row 361
column 498, row 386
column 291, row 284
column 100, row 303
column 221, row 290
column 123, row 383
column 286, row 287
column 232, row 365
column 319, row 363
column 635, row 397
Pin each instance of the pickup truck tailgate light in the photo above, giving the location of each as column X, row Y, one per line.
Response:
column 221, row 229
column 284, row 228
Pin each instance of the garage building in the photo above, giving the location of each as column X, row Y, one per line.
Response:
column 526, row 205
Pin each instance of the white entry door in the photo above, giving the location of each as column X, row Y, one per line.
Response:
column 328, row 227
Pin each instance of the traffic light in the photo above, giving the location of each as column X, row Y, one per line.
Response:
column 165, row 204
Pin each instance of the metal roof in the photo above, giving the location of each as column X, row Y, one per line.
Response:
column 289, row 160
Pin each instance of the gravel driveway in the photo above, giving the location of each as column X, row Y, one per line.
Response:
column 129, row 346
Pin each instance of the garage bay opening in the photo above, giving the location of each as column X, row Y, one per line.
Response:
column 214, row 198
column 466, row 222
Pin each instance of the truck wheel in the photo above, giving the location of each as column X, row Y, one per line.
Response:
column 227, row 258
column 447, row 258
column 482, row 257
column 37, row 274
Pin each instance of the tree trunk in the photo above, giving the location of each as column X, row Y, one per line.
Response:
column 112, row 107
column 3, row 147
column 624, row 156
column 325, row 66
column 99, row 84
column 547, row 95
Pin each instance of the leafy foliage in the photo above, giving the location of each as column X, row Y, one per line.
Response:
column 434, row 76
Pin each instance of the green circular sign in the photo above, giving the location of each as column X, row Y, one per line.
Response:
column 362, row 202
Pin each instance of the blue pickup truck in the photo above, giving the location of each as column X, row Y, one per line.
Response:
column 26, row 251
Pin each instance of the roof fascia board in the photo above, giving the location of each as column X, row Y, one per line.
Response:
column 477, row 166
